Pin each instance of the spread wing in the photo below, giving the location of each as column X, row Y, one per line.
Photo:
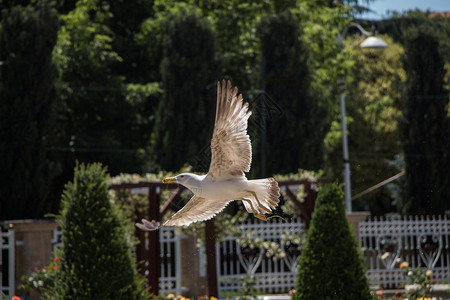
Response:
column 231, row 150
column 197, row 209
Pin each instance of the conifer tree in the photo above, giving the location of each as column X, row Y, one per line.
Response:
column 96, row 260
column 27, row 96
column 189, row 84
column 331, row 266
column 286, row 80
column 425, row 126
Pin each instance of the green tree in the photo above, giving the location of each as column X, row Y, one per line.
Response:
column 27, row 96
column 286, row 78
column 189, row 83
column 331, row 266
column 425, row 126
column 125, row 22
column 107, row 102
column 96, row 260
column 374, row 89
column 100, row 117
column 92, row 94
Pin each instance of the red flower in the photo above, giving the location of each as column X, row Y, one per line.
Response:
column 379, row 293
column 15, row 298
column 56, row 259
column 398, row 294
column 55, row 267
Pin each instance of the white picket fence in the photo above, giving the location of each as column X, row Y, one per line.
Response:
column 7, row 262
column 238, row 266
column 170, row 254
column 420, row 241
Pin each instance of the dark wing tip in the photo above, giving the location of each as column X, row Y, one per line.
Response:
column 148, row 225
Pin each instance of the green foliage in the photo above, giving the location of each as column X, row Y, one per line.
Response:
column 27, row 97
column 321, row 25
column 419, row 279
column 425, row 127
column 41, row 280
column 331, row 266
column 286, row 78
column 188, row 73
column 90, row 92
column 125, row 23
column 234, row 23
column 285, row 204
column 96, row 260
column 398, row 26
column 373, row 108
column 103, row 115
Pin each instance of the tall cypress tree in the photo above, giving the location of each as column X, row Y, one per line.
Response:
column 127, row 17
column 297, row 133
column 331, row 266
column 96, row 260
column 27, row 94
column 425, row 126
column 189, row 83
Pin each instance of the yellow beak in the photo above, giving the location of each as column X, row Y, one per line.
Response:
column 170, row 179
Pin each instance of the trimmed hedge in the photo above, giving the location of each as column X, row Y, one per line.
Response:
column 331, row 265
column 96, row 260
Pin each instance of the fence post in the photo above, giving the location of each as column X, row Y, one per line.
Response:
column 154, row 264
column 354, row 218
column 210, row 243
column 141, row 255
column 32, row 247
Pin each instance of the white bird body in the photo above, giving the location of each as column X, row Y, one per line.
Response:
column 225, row 181
column 202, row 186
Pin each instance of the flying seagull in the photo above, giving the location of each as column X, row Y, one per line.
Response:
column 231, row 155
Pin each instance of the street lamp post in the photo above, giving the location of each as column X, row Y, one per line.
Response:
column 347, row 186
column 372, row 42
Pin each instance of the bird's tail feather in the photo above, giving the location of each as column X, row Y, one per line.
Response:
column 266, row 198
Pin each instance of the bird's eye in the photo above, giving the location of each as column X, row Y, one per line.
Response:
column 181, row 176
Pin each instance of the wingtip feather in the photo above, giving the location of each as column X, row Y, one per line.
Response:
column 148, row 225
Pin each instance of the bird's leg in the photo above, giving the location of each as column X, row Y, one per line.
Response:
column 261, row 217
column 255, row 212
column 249, row 202
column 260, row 205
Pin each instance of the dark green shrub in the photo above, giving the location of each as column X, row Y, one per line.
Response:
column 96, row 260
column 331, row 266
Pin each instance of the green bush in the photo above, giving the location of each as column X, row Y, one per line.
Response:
column 331, row 266
column 96, row 260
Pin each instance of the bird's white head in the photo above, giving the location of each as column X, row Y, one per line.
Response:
column 187, row 179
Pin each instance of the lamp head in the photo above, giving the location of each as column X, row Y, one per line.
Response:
column 373, row 42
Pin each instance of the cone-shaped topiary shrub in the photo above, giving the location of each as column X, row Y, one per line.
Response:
column 96, row 258
column 331, row 265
